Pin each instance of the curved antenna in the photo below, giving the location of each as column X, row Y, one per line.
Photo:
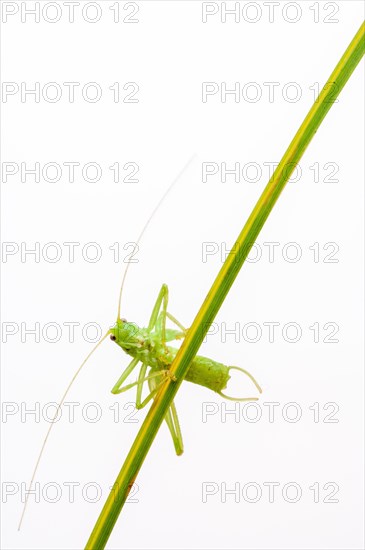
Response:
column 53, row 421
column 147, row 224
column 242, row 398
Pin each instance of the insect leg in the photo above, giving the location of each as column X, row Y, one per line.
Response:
column 161, row 326
column 171, row 415
column 153, row 387
column 174, row 426
column 141, row 376
column 158, row 319
column 177, row 323
column 133, row 384
column 163, row 296
column 125, row 374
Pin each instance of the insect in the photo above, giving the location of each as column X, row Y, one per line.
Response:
column 148, row 347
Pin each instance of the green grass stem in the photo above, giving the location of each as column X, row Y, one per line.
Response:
column 220, row 288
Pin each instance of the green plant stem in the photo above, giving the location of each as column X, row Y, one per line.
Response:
column 220, row 288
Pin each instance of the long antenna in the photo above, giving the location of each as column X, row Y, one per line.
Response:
column 52, row 424
column 99, row 343
column 148, row 222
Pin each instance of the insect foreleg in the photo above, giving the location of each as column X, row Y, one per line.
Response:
column 142, row 378
column 162, row 374
column 125, row 375
column 133, row 384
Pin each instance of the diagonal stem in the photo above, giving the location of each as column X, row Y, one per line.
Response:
column 220, row 288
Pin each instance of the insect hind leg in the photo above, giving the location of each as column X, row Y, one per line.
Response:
column 160, row 314
column 173, row 423
column 162, row 300
column 141, row 376
column 171, row 417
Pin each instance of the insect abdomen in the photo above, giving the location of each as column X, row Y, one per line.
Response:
column 208, row 373
column 204, row 371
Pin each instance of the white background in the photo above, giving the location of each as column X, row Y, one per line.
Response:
column 169, row 53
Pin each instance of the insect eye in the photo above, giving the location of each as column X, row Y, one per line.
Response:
column 112, row 337
column 124, row 320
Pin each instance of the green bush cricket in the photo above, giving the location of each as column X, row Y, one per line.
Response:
column 148, row 347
